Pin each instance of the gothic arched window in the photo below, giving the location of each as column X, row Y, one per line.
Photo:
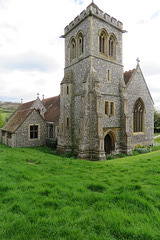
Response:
column 103, row 42
column 80, row 44
column 72, row 49
column 138, row 116
column 112, row 47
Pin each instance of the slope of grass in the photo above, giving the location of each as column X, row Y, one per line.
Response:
column 44, row 196
column 157, row 139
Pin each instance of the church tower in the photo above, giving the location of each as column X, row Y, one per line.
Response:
column 91, row 100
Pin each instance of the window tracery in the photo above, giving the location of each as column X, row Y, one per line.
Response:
column 138, row 119
column 80, row 44
column 73, row 49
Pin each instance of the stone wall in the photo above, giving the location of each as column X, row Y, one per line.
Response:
column 137, row 88
column 22, row 138
column 91, row 87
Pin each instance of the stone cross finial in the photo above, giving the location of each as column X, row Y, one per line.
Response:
column 43, row 97
column 37, row 95
column 21, row 100
column 92, row 1
column 138, row 61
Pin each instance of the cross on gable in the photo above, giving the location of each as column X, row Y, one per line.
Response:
column 138, row 61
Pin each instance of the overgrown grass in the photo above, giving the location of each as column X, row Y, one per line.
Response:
column 157, row 140
column 44, row 196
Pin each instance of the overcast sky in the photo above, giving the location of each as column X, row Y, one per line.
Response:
column 32, row 54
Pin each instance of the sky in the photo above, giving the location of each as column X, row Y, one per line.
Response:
column 32, row 52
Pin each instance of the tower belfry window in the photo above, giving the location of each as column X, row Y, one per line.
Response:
column 102, row 42
column 73, row 49
column 112, row 47
column 80, row 44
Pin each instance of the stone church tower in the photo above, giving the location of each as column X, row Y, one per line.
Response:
column 91, row 100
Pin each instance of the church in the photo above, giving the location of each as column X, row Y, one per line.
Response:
column 102, row 110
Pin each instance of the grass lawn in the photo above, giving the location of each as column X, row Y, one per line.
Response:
column 157, row 139
column 44, row 196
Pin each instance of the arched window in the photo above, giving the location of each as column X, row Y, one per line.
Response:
column 80, row 44
column 138, row 116
column 73, row 49
column 103, row 42
column 112, row 47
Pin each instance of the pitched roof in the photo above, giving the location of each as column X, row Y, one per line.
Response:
column 16, row 120
column 53, row 109
column 25, row 106
column 19, row 116
column 128, row 75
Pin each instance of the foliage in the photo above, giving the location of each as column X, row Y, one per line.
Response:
column 1, row 120
column 157, row 139
column 142, row 150
column 45, row 196
column 156, row 120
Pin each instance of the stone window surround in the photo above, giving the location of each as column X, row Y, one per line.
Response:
column 144, row 120
column 78, row 53
column 33, row 139
column 108, row 51
column 107, row 108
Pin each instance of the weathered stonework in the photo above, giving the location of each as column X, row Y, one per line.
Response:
column 21, row 137
column 93, row 79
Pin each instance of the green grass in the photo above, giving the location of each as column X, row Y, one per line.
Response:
column 157, row 139
column 6, row 114
column 44, row 196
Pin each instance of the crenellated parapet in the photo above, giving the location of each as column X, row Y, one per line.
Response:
column 93, row 10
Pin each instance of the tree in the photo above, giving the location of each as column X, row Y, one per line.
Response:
column 156, row 121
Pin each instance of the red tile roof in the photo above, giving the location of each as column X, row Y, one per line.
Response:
column 128, row 75
column 53, row 109
column 18, row 117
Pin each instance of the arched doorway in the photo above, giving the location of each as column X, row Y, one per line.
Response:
column 109, row 143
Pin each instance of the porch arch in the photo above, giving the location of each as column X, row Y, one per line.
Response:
column 109, row 142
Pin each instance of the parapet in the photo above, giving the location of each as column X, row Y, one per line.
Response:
column 92, row 9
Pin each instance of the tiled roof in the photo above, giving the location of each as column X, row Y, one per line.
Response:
column 18, row 118
column 128, row 75
column 26, row 105
column 53, row 109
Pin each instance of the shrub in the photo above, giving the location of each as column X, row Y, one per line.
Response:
column 142, row 150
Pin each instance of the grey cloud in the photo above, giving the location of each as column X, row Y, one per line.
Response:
column 28, row 61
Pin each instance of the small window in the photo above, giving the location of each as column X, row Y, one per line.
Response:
column 108, row 76
column 50, row 131
column 112, row 109
column 107, row 108
column 9, row 135
column 33, row 131
column 3, row 133
column 67, row 89
column 67, row 122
